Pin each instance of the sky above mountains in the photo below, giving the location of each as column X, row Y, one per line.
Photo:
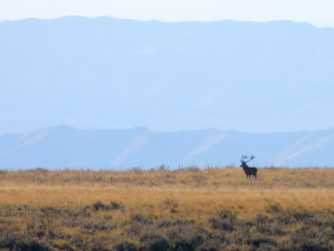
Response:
column 317, row 12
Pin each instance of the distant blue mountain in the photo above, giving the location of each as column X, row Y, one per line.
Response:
column 67, row 147
column 110, row 73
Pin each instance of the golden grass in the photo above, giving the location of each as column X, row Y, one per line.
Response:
column 190, row 194
column 231, row 177
column 82, row 210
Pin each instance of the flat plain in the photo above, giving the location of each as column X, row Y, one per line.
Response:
column 186, row 209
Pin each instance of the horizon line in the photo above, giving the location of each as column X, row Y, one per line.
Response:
column 166, row 21
column 101, row 128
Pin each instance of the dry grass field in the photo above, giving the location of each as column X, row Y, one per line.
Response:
column 187, row 209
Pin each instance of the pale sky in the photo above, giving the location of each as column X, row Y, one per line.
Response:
column 317, row 12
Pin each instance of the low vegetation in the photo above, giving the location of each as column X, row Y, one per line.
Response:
column 187, row 209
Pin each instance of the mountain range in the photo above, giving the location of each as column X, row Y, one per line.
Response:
column 111, row 73
column 68, row 147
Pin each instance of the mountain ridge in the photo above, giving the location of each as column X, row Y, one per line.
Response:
column 164, row 22
column 68, row 147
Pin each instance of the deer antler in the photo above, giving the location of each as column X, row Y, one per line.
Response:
column 245, row 158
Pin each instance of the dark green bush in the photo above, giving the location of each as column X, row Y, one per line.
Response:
column 155, row 242
column 225, row 220
column 125, row 246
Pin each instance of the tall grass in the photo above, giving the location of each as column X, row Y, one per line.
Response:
column 106, row 206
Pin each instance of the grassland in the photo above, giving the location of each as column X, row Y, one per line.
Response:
column 190, row 209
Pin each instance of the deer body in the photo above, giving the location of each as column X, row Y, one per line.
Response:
column 249, row 171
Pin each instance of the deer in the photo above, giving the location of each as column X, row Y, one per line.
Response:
column 249, row 171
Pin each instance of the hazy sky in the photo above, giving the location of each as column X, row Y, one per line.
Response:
column 318, row 12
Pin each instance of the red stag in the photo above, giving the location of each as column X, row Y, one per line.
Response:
column 249, row 171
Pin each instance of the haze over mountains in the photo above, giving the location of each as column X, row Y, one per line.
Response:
column 180, row 77
column 67, row 147
column 110, row 73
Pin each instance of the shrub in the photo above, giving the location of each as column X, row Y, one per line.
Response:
column 225, row 220
column 98, row 224
column 274, row 208
column 184, row 245
column 31, row 245
column 259, row 240
column 309, row 238
column 100, row 206
column 155, row 242
column 125, row 246
column 170, row 204
column 114, row 205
